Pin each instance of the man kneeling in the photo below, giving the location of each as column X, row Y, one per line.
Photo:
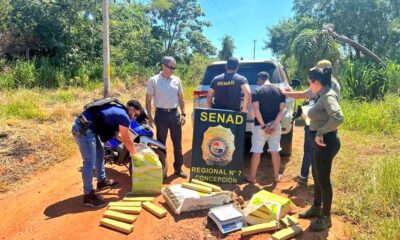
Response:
column 269, row 108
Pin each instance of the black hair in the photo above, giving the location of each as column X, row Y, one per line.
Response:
column 263, row 75
column 322, row 75
column 135, row 104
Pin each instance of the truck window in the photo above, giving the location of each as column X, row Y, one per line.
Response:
column 249, row 70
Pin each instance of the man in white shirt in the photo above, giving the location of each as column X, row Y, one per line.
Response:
column 166, row 92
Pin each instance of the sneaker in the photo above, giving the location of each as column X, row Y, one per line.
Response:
column 92, row 200
column 322, row 223
column 311, row 212
column 106, row 183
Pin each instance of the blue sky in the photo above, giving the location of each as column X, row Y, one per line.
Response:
column 244, row 21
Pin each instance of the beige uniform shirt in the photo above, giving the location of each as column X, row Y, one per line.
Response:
column 326, row 114
column 164, row 91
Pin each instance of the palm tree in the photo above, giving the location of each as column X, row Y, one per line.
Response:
column 310, row 46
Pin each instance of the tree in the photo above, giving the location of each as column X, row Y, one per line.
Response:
column 180, row 26
column 310, row 46
column 200, row 44
column 368, row 22
column 282, row 35
column 227, row 48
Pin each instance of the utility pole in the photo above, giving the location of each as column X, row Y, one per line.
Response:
column 254, row 49
column 106, row 50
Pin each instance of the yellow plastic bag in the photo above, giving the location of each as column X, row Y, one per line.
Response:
column 265, row 206
column 146, row 172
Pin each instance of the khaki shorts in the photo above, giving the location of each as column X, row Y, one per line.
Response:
column 259, row 138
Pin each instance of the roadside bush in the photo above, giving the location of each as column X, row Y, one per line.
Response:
column 24, row 74
column 47, row 74
column 365, row 81
column 192, row 73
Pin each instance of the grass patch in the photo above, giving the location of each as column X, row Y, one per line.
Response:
column 367, row 185
column 61, row 97
column 35, row 128
column 21, row 109
column 366, row 169
column 378, row 117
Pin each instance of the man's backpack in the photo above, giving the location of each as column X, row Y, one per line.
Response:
column 101, row 102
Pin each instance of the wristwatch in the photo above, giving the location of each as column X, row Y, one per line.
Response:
column 183, row 114
column 263, row 127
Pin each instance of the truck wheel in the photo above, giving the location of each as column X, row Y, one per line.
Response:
column 162, row 155
column 286, row 143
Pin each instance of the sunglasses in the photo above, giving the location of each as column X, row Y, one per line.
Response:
column 170, row 67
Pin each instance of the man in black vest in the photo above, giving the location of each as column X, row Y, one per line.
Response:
column 227, row 89
column 92, row 127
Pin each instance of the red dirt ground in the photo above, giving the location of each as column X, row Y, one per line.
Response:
column 50, row 205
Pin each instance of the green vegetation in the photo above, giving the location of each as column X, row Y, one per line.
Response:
column 367, row 185
column 50, row 44
column 366, row 170
column 376, row 117
column 51, row 65
column 302, row 40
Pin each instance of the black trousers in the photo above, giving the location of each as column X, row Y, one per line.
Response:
column 321, row 169
column 165, row 121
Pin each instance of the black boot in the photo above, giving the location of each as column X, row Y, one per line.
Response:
column 322, row 223
column 313, row 211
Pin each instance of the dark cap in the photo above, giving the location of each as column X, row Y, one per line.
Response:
column 232, row 63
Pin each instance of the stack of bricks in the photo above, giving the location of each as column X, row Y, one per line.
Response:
column 201, row 187
column 289, row 222
column 292, row 228
column 122, row 215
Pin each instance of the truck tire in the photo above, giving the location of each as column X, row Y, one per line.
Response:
column 286, row 143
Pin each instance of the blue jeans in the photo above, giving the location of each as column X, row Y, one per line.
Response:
column 308, row 151
column 92, row 152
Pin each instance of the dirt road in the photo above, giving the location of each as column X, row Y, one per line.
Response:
column 50, row 206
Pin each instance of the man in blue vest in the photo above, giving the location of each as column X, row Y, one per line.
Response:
column 93, row 126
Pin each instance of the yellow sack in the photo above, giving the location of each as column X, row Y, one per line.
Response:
column 146, row 171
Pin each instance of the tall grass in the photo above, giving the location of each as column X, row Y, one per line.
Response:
column 365, row 81
column 43, row 73
column 377, row 117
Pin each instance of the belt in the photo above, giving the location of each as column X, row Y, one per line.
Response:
column 167, row 109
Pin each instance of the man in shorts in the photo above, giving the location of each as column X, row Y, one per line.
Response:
column 269, row 107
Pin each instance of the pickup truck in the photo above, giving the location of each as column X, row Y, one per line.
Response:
column 249, row 69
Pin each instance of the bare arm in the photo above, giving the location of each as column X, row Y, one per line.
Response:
column 182, row 106
column 296, row 95
column 210, row 96
column 246, row 100
column 282, row 110
column 148, row 109
column 181, row 103
column 128, row 142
